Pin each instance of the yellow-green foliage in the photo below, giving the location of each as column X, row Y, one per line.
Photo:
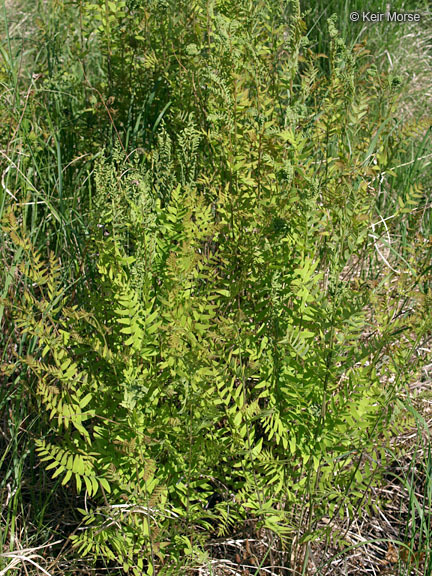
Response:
column 228, row 338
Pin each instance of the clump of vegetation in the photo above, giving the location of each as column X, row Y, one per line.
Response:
column 202, row 300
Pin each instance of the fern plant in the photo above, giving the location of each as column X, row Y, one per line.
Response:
column 231, row 354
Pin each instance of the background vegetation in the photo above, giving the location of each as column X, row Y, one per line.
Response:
column 216, row 239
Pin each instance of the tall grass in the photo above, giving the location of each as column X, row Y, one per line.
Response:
column 41, row 168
